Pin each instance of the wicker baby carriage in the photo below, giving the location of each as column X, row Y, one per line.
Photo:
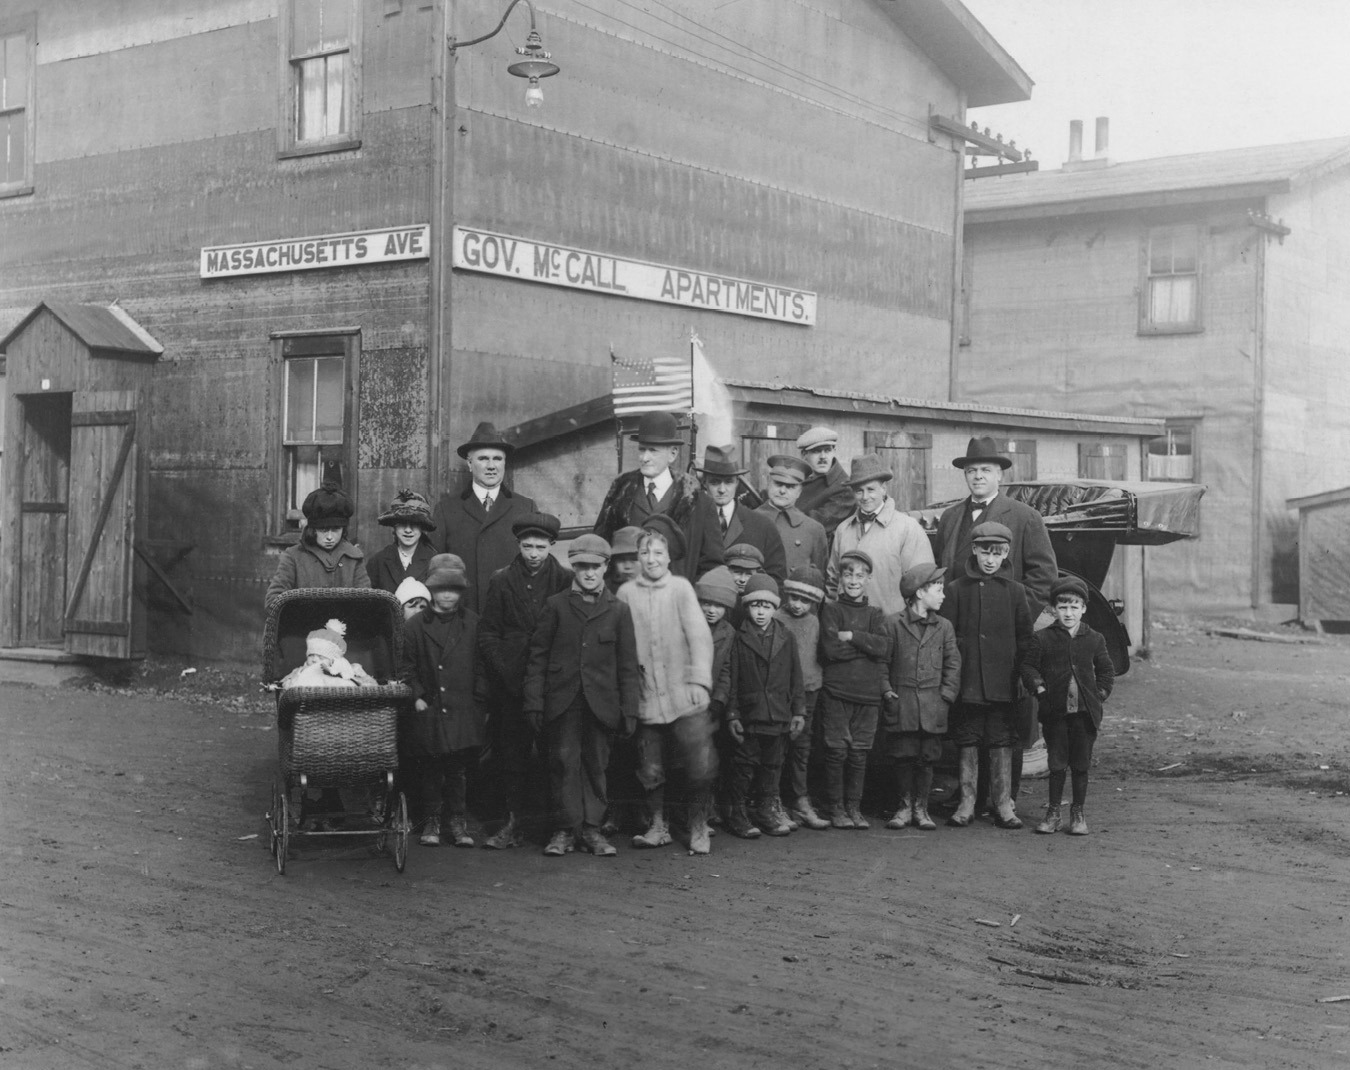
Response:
column 332, row 737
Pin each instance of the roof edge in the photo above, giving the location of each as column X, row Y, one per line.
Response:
column 964, row 50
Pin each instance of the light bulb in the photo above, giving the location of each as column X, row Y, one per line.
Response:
column 534, row 94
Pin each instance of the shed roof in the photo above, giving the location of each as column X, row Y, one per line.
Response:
column 107, row 328
column 1312, row 501
column 1224, row 175
column 963, row 49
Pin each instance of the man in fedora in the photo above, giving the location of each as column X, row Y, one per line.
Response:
column 894, row 541
column 1032, row 559
column 476, row 524
column 804, row 540
column 826, row 496
column 656, row 487
column 721, row 479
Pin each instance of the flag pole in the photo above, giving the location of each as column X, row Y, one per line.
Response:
column 618, row 422
column 693, row 401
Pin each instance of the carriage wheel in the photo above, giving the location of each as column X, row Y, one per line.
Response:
column 282, row 832
column 402, row 826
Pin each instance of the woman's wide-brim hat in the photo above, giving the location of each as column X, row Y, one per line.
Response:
column 409, row 508
column 485, row 436
column 982, row 450
column 658, row 429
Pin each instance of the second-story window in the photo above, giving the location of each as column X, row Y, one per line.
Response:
column 323, row 69
column 16, row 110
column 1170, row 288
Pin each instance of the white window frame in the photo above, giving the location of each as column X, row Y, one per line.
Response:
column 21, row 100
column 1191, row 426
column 293, row 56
column 1150, row 280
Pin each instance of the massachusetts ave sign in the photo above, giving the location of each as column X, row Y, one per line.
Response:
column 580, row 269
column 355, row 249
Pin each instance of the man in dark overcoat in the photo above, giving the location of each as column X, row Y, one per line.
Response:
column 583, row 685
column 804, row 540
column 826, row 496
column 721, row 479
column 515, row 601
column 476, row 524
column 657, row 487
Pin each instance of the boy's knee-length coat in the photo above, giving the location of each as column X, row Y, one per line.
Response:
column 587, row 648
column 515, row 603
column 765, row 680
column 994, row 632
column 925, row 671
column 442, row 665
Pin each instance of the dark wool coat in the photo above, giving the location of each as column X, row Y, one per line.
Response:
column 993, row 632
column 765, row 690
column 854, row 671
column 722, row 636
column 804, row 540
column 484, row 541
column 587, row 648
column 442, row 666
column 515, row 602
column 925, row 671
column 387, row 572
column 1031, row 557
column 1055, row 657
column 303, row 565
column 754, row 528
column 828, row 499
column 685, row 502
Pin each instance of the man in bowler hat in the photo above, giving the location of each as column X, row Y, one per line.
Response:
column 656, row 487
column 476, row 524
column 721, row 479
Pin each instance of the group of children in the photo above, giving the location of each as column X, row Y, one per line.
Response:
column 711, row 696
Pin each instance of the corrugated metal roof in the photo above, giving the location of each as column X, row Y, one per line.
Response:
column 109, row 329
column 1267, row 164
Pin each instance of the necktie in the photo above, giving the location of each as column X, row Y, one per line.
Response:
column 722, row 516
column 487, row 503
column 651, row 495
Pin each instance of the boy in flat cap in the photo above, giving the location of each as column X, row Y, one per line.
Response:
column 894, row 541
column 582, row 688
column 825, row 498
column 323, row 557
column 515, row 600
column 993, row 625
column 766, row 704
column 476, row 524
column 925, row 677
column 1072, row 674
column 721, row 476
column 675, row 651
column 804, row 539
column 623, row 562
column 854, row 647
column 408, row 556
column 448, row 726
column 656, row 488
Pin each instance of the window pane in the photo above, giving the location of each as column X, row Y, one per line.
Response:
column 14, row 71
column 305, row 26
column 1159, row 252
column 321, row 97
column 329, row 406
column 299, row 401
column 334, row 109
column 1172, row 299
column 12, row 147
column 336, row 28
column 1183, row 249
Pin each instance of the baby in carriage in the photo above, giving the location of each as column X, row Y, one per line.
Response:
column 326, row 663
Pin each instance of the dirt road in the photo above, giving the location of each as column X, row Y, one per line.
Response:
column 1199, row 925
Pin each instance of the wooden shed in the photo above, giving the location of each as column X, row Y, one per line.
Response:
column 1323, row 556
column 72, row 487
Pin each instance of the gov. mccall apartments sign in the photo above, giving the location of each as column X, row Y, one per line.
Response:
column 518, row 258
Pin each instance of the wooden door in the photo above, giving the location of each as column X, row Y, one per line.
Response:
column 44, row 477
column 101, row 524
column 908, row 454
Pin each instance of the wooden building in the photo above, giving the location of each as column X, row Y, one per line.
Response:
column 354, row 241
column 1206, row 290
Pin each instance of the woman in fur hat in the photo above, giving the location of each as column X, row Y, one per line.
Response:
column 408, row 556
column 323, row 557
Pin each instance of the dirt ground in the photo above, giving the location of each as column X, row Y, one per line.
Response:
column 143, row 924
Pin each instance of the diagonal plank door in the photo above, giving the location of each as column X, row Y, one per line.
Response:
column 101, row 524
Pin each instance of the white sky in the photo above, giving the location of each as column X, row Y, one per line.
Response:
column 1174, row 76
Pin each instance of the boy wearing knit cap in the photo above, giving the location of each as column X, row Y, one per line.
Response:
column 408, row 556
column 924, row 678
column 447, row 728
column 413, row 596
column 513, row 606
column 675, row 653
column 765, row 705
column 803, row 594
column 853, row 652
column 582, row 688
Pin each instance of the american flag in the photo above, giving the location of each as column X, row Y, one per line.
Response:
column 656, row 384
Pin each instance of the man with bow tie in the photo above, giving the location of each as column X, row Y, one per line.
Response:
column 476, row 524
column 1032, row 559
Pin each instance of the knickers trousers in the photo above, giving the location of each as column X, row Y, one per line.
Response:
column 578, row 752
column 757, row 763
column 687, row 743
